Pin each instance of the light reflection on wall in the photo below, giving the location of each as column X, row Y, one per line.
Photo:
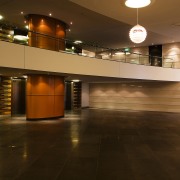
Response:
column 139, row 95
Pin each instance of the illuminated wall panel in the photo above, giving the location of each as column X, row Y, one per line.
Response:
column 5, row 96
column 136, row 95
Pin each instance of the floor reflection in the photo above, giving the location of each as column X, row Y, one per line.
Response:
column 92, row 144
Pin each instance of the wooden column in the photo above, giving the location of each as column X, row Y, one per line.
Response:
column 46, row 32
column 44, row 97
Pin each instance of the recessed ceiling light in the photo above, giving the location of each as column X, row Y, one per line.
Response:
column 1, row 17
column 25, row 22
column 76, row 80
column 137, row 3
column 22, row 12
column 50, row 14
column 71, row 22
column 25, row 76
column 12, row 146
column 69, row 30
column 77, row 42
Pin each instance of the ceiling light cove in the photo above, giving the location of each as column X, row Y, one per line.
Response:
column 137, row 3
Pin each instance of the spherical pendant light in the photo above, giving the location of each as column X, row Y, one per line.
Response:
column 137, row 34
column 137, row 3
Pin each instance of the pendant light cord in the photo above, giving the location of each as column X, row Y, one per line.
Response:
column 137, row 16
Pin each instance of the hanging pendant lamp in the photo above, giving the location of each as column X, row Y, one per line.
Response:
column 137, row 3
column 138, row 33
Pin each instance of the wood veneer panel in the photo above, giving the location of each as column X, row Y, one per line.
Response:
column 51, row 28
column 40, row 85
column 58, row 106
column 58, row 86
column 40, row 107
column 45, row 96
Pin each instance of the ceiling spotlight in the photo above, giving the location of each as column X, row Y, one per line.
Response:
column 50, row 14
column 137, row 3
column 77, row 42
column 22, row 12
column 75, row 80
column 71, row 22
column 25, row 76
column 27, row 27
column 1, row 17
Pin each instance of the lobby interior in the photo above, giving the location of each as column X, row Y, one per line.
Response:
column 89, row 113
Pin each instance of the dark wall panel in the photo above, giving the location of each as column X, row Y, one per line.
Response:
column 155, row 53
column 18, row 96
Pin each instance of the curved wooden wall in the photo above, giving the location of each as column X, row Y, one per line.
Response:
column 44, row 97
column 48, row 26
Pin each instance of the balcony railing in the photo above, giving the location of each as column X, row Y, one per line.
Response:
column 92, row 50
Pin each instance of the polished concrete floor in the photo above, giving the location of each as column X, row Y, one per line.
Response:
column 92, row 144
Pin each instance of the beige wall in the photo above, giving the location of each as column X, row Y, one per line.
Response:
column 85, row 95
column 11, row 55
column 136, row 95
column 140, row 50
column 171, row 54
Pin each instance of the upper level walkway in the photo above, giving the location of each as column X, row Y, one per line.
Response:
column 134, row 66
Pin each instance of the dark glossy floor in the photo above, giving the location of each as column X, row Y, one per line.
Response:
column 92, row 145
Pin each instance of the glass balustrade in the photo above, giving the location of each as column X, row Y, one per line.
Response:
column 172, row 61
column 86, row 49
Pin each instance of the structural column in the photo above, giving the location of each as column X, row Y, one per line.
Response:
column 44, row 97
column 45, row 94
column 46, row 32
